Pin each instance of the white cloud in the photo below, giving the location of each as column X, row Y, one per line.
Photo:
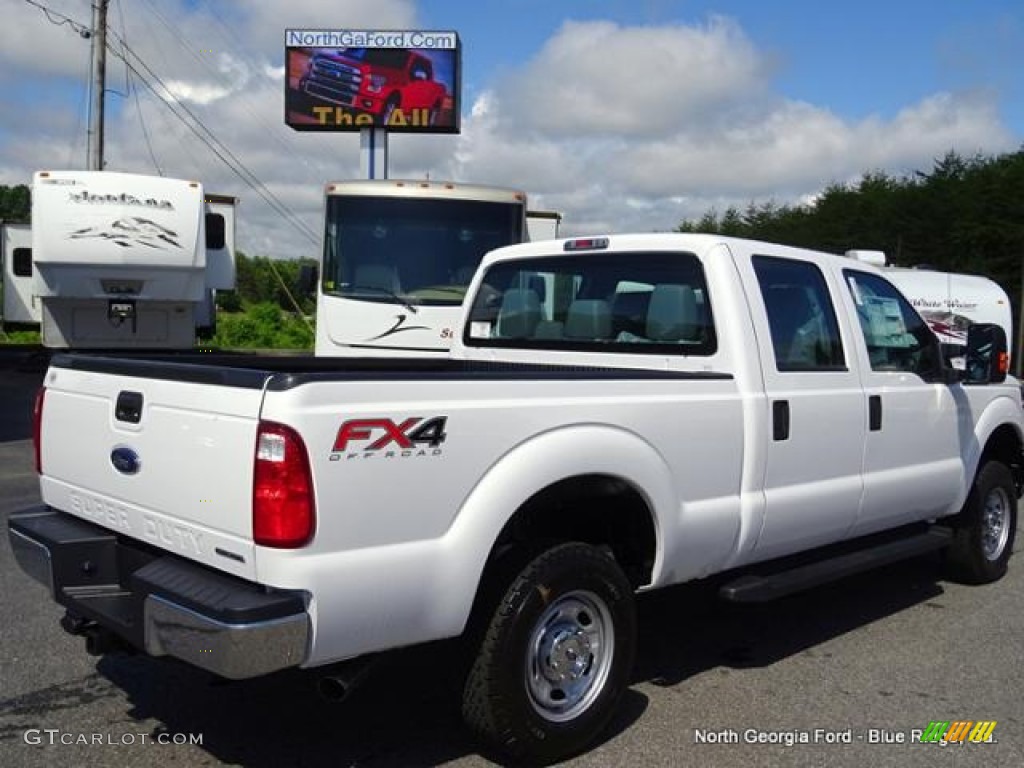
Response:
column 691, row 123
column 596, row 78
column 28, row 41
column 200, row 93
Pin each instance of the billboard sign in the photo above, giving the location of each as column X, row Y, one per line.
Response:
column 350, row 79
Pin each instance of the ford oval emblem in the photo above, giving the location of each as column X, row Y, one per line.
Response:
column 125, row 460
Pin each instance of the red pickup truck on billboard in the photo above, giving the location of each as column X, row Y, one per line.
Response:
column 399, row 88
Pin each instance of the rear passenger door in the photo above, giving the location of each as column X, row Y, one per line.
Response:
column 912, row 457
column 816, row 409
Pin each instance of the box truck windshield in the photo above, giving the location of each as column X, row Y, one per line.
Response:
column 397, row 262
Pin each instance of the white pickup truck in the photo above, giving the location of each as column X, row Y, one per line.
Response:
column 619, row 414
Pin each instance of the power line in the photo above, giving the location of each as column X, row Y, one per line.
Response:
column 80, row 112
column 57, row 19
column 220, row 150
column 196, row 125
column 272, row 131
column 142, row 123
column 130, row 87
column 192, row 122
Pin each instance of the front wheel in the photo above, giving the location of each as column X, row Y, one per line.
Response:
column 984, row 531
column 556, row 656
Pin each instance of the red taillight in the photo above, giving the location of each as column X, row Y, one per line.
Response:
column 37, row 429
column 283, row 514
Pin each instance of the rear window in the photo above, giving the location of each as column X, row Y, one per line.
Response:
column 654, row 303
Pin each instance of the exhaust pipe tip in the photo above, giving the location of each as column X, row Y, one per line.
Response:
column 333, row 689
column 100, row 642
column 76, row 625
column 344, row 677
column 95, row 643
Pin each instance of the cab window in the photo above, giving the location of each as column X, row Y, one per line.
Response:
column 897, row 338
column 801, row 318
column 637, row 302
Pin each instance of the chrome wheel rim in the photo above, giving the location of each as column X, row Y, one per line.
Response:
column 995, row 524
column 570, row 655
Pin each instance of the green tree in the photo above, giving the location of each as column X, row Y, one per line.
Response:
column 261, row 279
column 262, row 326
column 15, row 203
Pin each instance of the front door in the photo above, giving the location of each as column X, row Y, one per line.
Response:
column 912, row 456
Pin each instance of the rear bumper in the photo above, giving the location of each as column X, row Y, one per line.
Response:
column 161, row 604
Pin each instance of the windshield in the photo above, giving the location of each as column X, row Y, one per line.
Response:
column 411, row 250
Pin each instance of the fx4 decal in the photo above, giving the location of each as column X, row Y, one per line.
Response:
column 386, row 437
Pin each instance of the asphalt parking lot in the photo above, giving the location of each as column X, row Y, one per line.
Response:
column 870, row 659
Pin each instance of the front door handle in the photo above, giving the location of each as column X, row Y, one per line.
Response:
column 875, row 413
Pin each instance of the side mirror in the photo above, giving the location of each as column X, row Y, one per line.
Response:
column 308, row 277
column 987, row 361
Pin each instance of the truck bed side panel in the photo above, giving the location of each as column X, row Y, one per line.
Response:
column 400, row 525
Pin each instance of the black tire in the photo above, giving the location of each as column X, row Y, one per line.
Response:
column 556, row 656
column 984, row 531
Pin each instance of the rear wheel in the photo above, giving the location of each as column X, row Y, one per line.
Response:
column 556, row 656
column 984, row 531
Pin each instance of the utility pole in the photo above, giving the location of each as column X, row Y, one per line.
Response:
column 94, row 158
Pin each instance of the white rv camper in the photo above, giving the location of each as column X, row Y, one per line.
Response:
column 948, row 301
column 123, row 260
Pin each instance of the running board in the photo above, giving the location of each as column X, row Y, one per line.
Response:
column 752, row 588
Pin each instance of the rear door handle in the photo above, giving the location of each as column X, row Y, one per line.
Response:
column 780, row 420
column 875, row 413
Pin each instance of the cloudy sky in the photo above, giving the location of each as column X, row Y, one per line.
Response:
column 620, row 114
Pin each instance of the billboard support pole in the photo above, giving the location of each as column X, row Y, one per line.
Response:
column 373, row 152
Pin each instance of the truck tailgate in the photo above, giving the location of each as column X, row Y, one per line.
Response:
column 159, row 452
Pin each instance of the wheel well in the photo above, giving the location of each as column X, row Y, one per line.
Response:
column 1004, row 445
column 601, row 510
